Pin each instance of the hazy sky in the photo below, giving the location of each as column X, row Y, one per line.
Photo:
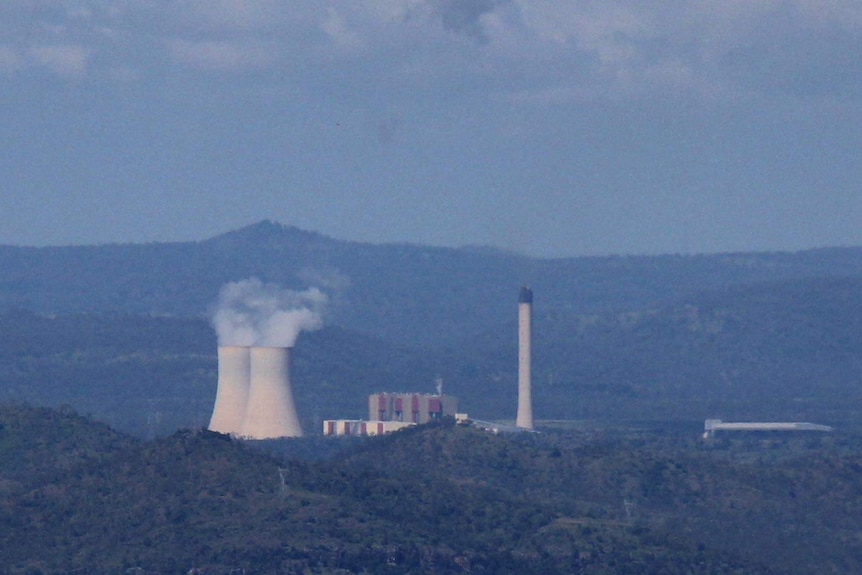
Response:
column 545, row 126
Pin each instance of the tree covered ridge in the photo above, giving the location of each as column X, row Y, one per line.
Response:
column 415, row 294
column 790, row 350
column 432, row 499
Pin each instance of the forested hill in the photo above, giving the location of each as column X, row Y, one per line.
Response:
column 438, row 499
column 405, row 293
column 788, row 350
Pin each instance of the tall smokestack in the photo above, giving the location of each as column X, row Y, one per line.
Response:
column 525, row 329
column 270, row 412
column 232, row 393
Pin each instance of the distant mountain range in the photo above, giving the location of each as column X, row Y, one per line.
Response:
column 400, row 292
column 120, row 331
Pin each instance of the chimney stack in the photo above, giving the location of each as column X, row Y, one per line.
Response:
column 525, row 329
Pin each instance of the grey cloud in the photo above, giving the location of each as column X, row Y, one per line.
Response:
column 465, row 16
column 710, row 50
column 544, row 48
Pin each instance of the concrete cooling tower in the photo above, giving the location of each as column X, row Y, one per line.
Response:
column 232, row 393
column 270, row 411
column 525, row 335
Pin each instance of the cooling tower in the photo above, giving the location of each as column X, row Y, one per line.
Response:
column 232, row 393
column 270, row 411
column 525, row 328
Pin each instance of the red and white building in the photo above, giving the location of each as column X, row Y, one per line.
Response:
column 389, row 412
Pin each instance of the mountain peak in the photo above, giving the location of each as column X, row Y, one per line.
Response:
column 268, row 230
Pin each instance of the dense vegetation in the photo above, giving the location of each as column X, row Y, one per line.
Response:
column 434, row 499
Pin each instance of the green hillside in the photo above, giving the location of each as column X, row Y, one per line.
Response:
column 433, row 499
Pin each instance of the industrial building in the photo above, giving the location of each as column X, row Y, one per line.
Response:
column 389, row 412
column 359, row 427
column 710, row 426
column 410, row 407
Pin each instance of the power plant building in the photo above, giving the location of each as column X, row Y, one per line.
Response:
column 410, row 407
column 388, row 412
column 359, row 427
column 712, row 425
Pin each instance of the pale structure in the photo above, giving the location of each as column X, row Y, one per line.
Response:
column 410, row 407
column 232, row 394
column 270, row 412
column 525, row 333
column 713, row 425
column 359, row 427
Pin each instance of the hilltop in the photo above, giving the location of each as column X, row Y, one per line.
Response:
column 403, row 293
column 432, row 499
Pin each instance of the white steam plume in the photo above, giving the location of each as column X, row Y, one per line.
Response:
column 253, row 313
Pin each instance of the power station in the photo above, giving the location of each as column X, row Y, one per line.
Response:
column 254, row 397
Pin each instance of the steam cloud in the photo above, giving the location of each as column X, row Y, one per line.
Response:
column 253, row 313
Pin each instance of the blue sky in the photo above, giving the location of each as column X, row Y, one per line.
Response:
column 552, row 128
